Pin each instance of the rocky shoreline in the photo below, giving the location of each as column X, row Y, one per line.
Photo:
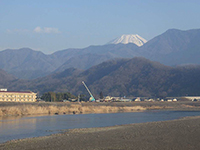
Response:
column 181, row 134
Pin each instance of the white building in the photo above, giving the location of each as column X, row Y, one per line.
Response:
column 192, row 98
column 17, row 96
column 137, row 99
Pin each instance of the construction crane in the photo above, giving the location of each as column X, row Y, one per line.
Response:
column 92, row 99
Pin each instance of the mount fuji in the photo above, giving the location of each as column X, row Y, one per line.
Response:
column 129, row 38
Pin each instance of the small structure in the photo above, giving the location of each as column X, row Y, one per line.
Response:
column 3, row 89
column 169, row 100
column 192, row 98
column 108, row 99
column 125, row 100
column 162, row 100
column 137, row 99
column 98, row 100
column 17, row 96
column 65, row 100
column 151, row 100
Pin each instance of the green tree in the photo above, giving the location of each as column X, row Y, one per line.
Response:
column 46, row 97
column 83, row 98
column 53, row 96
column 56, row 97
column 101, row 95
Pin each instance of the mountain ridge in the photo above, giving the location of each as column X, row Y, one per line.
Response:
column 173, row 47
column 120, row 77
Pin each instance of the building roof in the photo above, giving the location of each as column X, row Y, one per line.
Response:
column 16, row 92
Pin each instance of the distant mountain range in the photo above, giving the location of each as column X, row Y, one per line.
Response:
column 119, row 77
column 174, row 47
column 29, row 64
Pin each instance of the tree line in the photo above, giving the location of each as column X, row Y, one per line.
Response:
column 57, row 97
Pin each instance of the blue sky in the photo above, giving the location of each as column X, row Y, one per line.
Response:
column 52, row 25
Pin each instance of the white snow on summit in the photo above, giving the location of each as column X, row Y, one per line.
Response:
column 129, row 38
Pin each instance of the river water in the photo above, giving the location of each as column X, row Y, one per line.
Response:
column 25, row 127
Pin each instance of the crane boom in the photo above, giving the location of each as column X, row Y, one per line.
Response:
column 92, row 97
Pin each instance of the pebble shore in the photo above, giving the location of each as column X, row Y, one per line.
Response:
column 181, row 134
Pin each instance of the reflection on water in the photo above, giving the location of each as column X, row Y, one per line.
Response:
column 23, row 127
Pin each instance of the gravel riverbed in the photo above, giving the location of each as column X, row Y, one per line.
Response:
column 181, row 134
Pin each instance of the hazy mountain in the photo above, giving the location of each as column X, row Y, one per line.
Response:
column 129, row 38
column 114, row 50
column 93, row 55
column 84, row 61
column 26, row 63
column 58, row 82
column 29, row 64
column 174, row 47
column 136, row 77
column 5, row 79
column 119, row 77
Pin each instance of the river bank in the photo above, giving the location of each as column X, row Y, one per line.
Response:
column 181, row 134
column 62, row 108
column 20, row 109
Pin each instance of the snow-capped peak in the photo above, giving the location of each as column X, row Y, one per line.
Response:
column 129, row 38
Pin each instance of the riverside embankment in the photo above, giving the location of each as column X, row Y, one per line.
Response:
column 20, row 109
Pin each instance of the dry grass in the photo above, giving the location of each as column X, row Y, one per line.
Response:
column 69, row 109
column 19, row 109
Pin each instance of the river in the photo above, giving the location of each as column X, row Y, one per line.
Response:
column 26, row 127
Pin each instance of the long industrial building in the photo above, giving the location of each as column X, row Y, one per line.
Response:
column 17, row 96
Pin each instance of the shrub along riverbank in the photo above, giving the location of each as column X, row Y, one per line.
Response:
column 19, row 109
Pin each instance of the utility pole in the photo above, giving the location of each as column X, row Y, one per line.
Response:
column 78, row 97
